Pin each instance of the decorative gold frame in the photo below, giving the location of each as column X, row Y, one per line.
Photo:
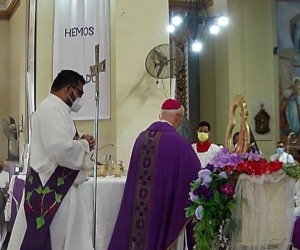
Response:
column 238, row 102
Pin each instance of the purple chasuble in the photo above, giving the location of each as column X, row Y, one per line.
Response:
column 152, row 213
column 41, row 204
column 296, row 234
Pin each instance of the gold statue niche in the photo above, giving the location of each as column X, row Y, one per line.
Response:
column 244, row 134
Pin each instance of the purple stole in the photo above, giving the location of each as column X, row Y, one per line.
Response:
column 17, row 194
column 144, row 183
column 41, row 204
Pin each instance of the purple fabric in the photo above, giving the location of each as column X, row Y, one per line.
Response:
column 11, row 169
column 296, row 234
column 17, row 194
column 165, row 163
column 41, row 204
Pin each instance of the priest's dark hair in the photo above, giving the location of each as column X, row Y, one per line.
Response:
column 66, row 78
column 204, row 123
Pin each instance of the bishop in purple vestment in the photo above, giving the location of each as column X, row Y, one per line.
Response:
column 162, row 166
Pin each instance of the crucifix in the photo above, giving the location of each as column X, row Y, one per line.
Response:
column 95, row 71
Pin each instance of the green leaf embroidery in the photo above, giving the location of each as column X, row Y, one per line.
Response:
column 40, row 221
column 28, row 195
column 39, row 190
column 30, row 179
column 46, row 190
column 58, row 197
column 60, row 181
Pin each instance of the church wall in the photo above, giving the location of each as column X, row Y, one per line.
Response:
column 208, row 86
column 4, row 81
column 137, row 98
column 16, row 64
column 243, row 64
column 252, row 66
column 213, row 69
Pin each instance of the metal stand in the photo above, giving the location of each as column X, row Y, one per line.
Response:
column 95, row 167
column 95, row 70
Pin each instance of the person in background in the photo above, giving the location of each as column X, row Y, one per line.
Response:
column 204, row 149
column 4, row 178
column 281, row 155
column 4, row 184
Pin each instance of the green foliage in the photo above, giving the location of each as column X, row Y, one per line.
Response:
column 215, row 211
column 292, row 170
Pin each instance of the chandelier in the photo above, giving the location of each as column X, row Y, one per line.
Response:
column 193, row 23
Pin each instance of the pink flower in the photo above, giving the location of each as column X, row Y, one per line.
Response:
column 228, row 189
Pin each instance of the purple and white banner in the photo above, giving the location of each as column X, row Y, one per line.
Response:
column 79, row 25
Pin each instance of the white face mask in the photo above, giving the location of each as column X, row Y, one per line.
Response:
column 77, row 105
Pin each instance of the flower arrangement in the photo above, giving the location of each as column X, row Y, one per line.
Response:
column 212, row 195
column 211, row 202
column 250, row 163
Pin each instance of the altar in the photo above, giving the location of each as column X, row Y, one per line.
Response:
column 109, row 197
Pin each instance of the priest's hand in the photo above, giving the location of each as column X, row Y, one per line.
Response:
column 90, row 139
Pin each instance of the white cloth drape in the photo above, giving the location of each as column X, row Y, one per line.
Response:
column 264, row 211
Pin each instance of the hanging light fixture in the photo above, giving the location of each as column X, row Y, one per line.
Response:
column 197, row 46
column 195, row 19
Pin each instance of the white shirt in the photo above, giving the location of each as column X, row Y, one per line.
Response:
column 52, row 144
column 4, row 179
column 206, row 157
column 284, row 158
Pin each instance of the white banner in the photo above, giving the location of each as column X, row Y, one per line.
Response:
column 79, row 25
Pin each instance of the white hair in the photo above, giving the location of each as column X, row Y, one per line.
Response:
column 179, row 111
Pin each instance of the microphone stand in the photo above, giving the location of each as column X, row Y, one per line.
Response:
column 96, row 121
column 95, row 70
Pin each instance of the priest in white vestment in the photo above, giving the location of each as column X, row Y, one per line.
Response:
column 204, row 149
column 53, row 146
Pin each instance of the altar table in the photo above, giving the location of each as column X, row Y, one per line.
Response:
column 109, row 197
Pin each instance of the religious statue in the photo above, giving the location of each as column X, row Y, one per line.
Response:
column 295, row 32
column 244, row 138
column 292, row 95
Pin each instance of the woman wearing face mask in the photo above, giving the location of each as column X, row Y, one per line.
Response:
column 204, row 149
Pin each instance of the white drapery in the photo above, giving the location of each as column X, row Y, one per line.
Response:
column 264, row 213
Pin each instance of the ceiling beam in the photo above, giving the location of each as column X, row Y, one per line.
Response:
column 8, row 9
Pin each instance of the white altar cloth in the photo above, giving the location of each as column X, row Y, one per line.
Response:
column 109, row 196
